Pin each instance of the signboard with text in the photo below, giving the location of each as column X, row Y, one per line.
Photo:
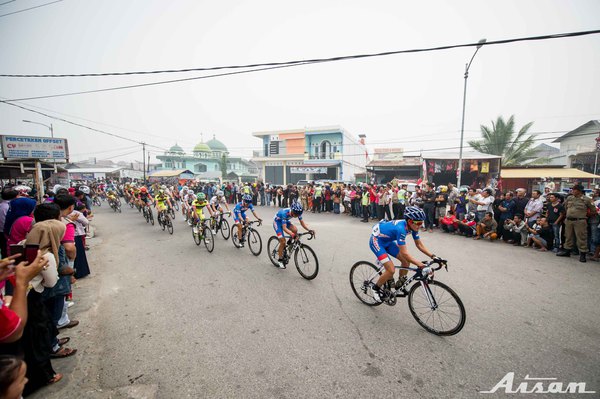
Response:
column 306, row 169
column 34, row 147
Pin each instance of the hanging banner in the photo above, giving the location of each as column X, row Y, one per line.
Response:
column 34, row 147
column 485, row 167
column 308, row 170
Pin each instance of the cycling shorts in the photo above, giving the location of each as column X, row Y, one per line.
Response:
column 161, row 206
column 238, row 216
column 278, row 227
column 383, row 249
column 200, row 214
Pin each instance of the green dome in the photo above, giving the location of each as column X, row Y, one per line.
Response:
column 176, row 148
column 202, row 147
column 216, row 145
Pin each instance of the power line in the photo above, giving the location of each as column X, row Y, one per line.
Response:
column 314, row 60
column 30, row 8
column 154, row 83
column 6, row 2
column 278, row 65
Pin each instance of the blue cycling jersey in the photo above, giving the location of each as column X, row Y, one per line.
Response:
column 240, row 207
column 284, row 215
column 394, row 230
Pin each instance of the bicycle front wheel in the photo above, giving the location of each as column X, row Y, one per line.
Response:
column 273, row 250
column 254, row 242
column 225, row 232
column 209, row 240
column 306, row 262
column 196, row 234
column 151, row 217
column 436, row 307
column 361, row 275
column 169, row 225
column 234, row 236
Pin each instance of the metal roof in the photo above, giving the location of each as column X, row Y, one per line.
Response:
column 471, row 154
column 95, row 170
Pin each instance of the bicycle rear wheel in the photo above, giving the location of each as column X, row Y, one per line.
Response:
column 172, row 213
column 225, row 232
column 169, row 226
column 446, row 316
column 254, row 242
column 209, row 239
column 176, row 205
column 196, row 235
column 361, row 275
column 306, row 262
column 151, row 216
column 119, row 207
column 272, row 250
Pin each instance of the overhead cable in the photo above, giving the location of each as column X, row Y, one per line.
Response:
column 27, row 9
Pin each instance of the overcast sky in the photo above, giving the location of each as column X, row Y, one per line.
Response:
column 411, row 101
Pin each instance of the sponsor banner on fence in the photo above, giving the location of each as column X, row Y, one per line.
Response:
column 34, row 147
column 308, row 169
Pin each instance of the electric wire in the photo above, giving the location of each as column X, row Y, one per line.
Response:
column 30, row 8
column 316, row 60
column 7, row 2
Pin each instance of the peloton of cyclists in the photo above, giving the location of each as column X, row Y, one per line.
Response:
column 282, row 225
column 389, row 239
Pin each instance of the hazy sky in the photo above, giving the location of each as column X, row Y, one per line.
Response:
column 412, row 101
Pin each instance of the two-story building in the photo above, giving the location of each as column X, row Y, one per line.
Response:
column 205, row 162
column 311, row 153
column 579, row 147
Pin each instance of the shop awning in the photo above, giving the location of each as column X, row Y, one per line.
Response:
column 532, row 173
column 170, row 173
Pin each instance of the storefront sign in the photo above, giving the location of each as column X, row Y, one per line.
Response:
column 485, row 167
column 85, row 176
column 308, row 170
column 34, row 147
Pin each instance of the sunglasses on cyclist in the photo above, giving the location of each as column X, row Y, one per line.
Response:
column 417, row 222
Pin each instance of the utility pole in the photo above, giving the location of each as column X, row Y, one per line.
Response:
column 144, row 160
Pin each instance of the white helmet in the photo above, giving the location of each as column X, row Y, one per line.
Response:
column 191, row 192
column 185, row 188
column 163, row 187
column 220, row 193
column 84, row 189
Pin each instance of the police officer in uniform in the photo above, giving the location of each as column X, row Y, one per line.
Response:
column 577, row 206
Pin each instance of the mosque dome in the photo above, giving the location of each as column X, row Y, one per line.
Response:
column 176, row 148
column 216, row 145
column 202, row 147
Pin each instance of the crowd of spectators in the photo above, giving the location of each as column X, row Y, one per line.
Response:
column 43, row 254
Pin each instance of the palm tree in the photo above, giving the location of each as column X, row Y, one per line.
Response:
column 501, row 140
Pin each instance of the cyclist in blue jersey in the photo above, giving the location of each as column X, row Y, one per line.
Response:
column 239, row 215
column 282, row 224
column 389, row 238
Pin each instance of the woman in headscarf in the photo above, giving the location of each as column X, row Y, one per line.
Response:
column 39, row 342
column 18, row 220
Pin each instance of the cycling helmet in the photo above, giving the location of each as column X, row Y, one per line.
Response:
column 219, row 193
column 163, row 187
column 296, row 207
column 247, row 198
column 84, row 189
column 470, row 216
column 414, row 213
column 161, row 191
column 201, row 196
column 185, row 188
column 191, row 192
column 144, row 189
column 463, row 190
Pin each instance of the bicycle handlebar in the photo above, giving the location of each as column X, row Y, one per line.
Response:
column 439, row 262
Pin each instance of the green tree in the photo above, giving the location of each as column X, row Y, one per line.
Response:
column 224, row 166
column 501, row 139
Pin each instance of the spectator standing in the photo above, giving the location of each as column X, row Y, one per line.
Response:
column 453, row 194
column 441, row 201
column 520, row 201
column 402, row 194
column 484, row 204
column 577, row 207
column 555, row 218
column 7, row 196
column 534, row 207
column 460, row 204
column 19, row 220
column 471, row 205
column 373, row 200
column 318, row 198
column 365, row 205
column 506, row 209
column 429, row 206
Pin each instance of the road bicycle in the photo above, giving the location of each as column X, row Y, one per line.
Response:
column 201, row 233
column 220, row 223
column 250, row 235
column 176, row 203
column 96, row 201
column 164, row 221
column 305, row 258
column 434, row 305
column 147, row 212
column 115, row 205
column 171, row 211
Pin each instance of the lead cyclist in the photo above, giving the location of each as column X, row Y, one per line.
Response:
column 389, row 238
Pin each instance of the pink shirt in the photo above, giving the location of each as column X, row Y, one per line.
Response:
column 69, row 234
column 19, row 230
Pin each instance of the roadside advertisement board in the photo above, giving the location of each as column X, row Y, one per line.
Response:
column 34, row 147
column 308, row 169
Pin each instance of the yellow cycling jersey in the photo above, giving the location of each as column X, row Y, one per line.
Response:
column 161, row 199
column 199, row 204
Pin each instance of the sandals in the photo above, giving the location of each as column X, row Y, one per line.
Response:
column 57, row 377
column 63, row 352
column 72, row 323
column 63, row 341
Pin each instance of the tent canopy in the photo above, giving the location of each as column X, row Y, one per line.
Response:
column 170, row 173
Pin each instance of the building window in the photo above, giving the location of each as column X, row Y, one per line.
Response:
column 199, row 167
column 217, row 167
column 274, row 148
column 325, row 149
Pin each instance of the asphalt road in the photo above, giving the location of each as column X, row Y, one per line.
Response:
column 163, row 318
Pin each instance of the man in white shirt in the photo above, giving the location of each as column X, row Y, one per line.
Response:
column 534, row 207
column 484, row 203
